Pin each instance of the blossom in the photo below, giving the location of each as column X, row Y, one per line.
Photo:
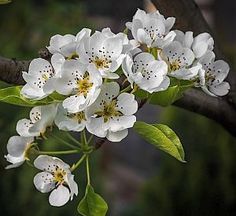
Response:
column 128, row 45
column 41, row 117
column 81, row 82
column 152, row 29
column 57, row 178
column 199, row 44
column 18, row 149
column 180, row 61
column 213, row 75
column 66, row 44
column 112, row 113
column 147, row 72
column 70, row 121
column 39, row 78
column 104, row 50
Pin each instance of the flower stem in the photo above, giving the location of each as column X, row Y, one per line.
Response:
column 128, row 88
column 87, row 169
column 90, row 139
column 84, row 138
column 75, row 166
column 73, row 139
column 64, row 142
column 59, row 152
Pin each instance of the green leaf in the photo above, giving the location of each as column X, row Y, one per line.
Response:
column 12, row 95
column 162, row 137
column 92, row 204
column 173, row 93
column 141, row 94
column 5, row 1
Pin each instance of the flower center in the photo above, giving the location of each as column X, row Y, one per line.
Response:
column 209, row 76
column 79, row 116
column 45, row 76
column 59, row 175
column 84, row 85
column 175, row 65
column 72, row 56
column 109, row 111
column 27, row 151
column 101, row 63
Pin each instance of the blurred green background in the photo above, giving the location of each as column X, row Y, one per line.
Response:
column 134, row 178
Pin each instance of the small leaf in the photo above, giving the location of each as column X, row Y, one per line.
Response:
column 5, row 1
column 12, row 95
column 92, row 204
column 173, row 93
column 165, row 98
column 141, row 94
column 162, row 137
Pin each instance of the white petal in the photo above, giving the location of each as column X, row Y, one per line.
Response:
column 163, row 86
column 143, row 37
column 59, row 196
column 16, row 145
column 14, row 165
column 114, row 46
column 97, row 127
column 221, row 70
column 36, row 114
column 39, row 65
column 72, row 185
column 85, row 32
column 221, row 89
column 127, row 104
column 32, row 93
column 121, row 122
column 23, row 126
column 169, row 22
column 57, row 61
column 43, row 181
column 48, row 163
column 66, row 123
column 117, row 136
column 75, row 103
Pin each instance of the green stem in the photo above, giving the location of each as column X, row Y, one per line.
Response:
column 128, row 88
column 64, row 142
column 73, row 139
column 75, row 166
column 59, row 152
column 87, row 169
column 84, row 138
column 90, row 139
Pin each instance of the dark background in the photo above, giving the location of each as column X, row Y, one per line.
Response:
column 133, row 177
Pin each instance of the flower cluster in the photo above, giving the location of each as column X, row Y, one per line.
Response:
column 97, row 76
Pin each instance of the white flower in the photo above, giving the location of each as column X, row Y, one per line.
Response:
column 81, row 82
column 39, row 78
column 66, row 44
column 104, row 50
column 213, row 75
column 111, row 114
column 56, row 177
column 41, row 117
column 180, row 60
column 149, row 74
column 128, row 45
column 18, row 148
column 151, row 29
column 70, row 121
column 199, row 44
